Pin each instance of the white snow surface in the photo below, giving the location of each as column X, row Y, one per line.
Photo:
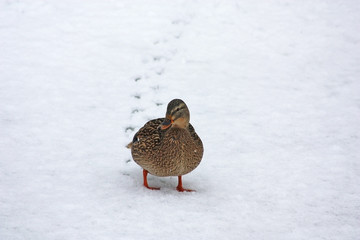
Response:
column 272, row 86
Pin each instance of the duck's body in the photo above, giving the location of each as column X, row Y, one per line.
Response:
column 168, row 146
column 169, row 152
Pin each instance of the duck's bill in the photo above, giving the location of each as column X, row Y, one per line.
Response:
column 166, row 124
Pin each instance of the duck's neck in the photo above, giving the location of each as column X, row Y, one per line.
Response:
column 177, row 134
column 181, row 123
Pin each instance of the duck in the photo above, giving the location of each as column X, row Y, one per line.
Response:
column 168, row 146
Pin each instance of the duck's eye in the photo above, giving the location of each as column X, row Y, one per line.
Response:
column 177, row 109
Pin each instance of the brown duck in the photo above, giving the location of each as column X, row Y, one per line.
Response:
column 168, row 146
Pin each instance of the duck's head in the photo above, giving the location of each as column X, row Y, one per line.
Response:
column 177, row 115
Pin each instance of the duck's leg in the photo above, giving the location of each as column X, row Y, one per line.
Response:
column 145, row 173
column 180, row 187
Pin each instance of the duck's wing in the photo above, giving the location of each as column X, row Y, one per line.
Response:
column 195, row 136
column 150, row 134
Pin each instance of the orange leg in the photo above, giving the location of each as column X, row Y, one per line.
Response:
column 145, row 173
column 180, row 187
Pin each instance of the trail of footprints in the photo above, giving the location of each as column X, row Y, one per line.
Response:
column 146, row 82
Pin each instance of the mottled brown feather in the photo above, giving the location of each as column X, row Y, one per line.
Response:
column 170, row 152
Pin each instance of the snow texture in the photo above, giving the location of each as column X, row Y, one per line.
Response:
column 273, row 87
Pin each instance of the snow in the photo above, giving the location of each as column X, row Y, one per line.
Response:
column 273, row 91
